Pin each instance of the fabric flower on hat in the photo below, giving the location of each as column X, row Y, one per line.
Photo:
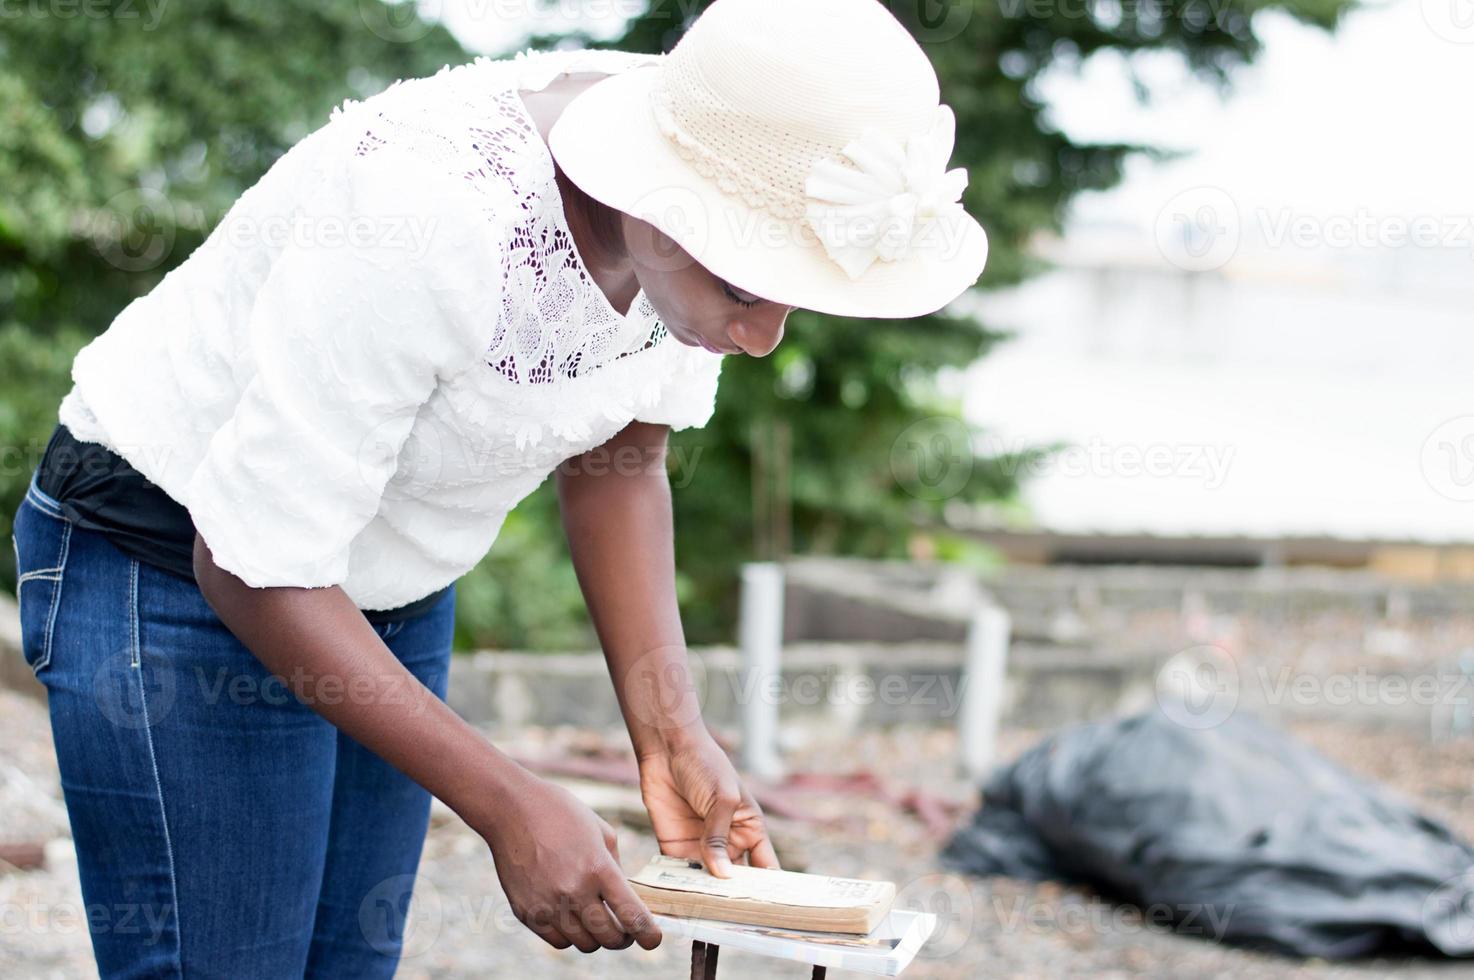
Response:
column 884, row 204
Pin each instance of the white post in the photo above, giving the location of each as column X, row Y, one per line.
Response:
column 760, row 634
column 982, row 699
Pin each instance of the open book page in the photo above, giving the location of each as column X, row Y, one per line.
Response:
column 766, row 885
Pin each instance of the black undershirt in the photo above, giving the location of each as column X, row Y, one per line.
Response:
column 101, row 491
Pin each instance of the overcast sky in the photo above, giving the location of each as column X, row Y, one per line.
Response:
column 1375, row 116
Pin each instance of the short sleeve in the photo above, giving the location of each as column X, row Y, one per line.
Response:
column 688, row 394
column 373, row 299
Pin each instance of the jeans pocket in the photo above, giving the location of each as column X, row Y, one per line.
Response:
column 41, row 538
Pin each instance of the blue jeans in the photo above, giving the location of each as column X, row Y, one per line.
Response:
column 222, row 827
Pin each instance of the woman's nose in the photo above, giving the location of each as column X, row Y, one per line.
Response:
column 758, row 335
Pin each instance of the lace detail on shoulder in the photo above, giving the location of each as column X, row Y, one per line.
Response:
column 555, row 323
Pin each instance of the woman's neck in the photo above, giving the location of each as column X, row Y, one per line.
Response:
column 597, row 228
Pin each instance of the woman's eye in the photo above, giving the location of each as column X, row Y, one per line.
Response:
column 736, row 299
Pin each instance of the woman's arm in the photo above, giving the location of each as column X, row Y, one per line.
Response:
column 616, row 508
column 556, row 859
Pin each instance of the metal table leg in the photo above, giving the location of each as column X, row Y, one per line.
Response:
column 704, row 961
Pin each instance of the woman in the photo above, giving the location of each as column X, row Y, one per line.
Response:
column 238, row 555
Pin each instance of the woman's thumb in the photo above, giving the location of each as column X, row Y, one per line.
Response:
column 714, row 838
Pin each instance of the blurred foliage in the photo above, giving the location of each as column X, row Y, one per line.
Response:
column 127, row 130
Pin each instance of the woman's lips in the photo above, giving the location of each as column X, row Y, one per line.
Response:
column 701, row 342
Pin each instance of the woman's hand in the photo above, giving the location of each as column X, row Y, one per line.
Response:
column 559, row 866
column 698, row 806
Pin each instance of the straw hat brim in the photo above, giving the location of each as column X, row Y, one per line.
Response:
column 607, row 141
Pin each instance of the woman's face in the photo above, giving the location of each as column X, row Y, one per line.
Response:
column 697, row 308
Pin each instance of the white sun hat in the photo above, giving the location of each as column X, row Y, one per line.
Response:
column 797, row 149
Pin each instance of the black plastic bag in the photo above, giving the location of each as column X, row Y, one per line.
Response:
column 1246, row 834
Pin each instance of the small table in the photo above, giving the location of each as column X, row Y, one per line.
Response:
column 704, row 962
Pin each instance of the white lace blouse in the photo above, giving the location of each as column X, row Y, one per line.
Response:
column 388, row 341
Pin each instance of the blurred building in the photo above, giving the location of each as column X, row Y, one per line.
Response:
column 1282, row 393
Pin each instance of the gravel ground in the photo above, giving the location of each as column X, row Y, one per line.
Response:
column 460, row 925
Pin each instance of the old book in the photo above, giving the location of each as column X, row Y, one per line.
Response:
column 763, row 897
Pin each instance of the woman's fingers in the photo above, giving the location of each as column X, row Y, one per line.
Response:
column 589, row 924
column 541, row 925
column 611, row 839
column 634, row 916
column 572, row 927
column 763, row 855
column 600, row 924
